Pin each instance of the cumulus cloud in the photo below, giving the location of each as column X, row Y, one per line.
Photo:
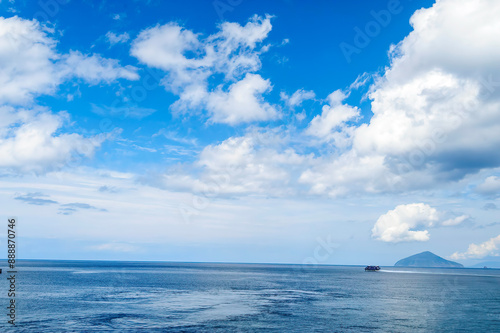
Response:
column 435, row 121
column 490, row 247
column 258, row 162
column 401, row 224
column 410, row 222
column 190, row 61
column 25, row 49
column 435, row 109
column 30, row 141
column 242, row 102
column 31, row 65
column 331, row 124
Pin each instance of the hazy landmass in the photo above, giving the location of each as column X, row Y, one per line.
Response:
column 426, row 259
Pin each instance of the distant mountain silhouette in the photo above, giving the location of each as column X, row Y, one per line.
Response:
column 426, row 259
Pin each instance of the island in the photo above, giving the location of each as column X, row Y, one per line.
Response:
column 426, row 259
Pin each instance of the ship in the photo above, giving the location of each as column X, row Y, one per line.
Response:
column 372, row 268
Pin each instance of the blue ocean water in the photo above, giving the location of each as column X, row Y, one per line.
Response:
column 88, row 296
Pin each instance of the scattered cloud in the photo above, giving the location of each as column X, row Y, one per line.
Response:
column 434, row 120
column 35, row 198
column 488, row 248
column 331, row 124
column 31, row 65
column 27, row 54
column 116, row 247
column 402, row 223
column 151, row 150
column 489, row 225
column 30, row 141
column 490, row 187
column 108, row 189
column 66, row 211
column 410, row 222
column 118, row 16
column 78, row 205
column 242, row 102
column 95, row 69
column 456, row 221
column 174, row 136
column 131, row 111
column 258, row 162
column 490, row 206
column 70, row 208
column 189, row 63
column 114, row 39
column 297, row 97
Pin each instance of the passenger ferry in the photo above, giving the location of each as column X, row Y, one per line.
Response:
column 372, row 268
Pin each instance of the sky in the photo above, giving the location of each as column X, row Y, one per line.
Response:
column 328, row 132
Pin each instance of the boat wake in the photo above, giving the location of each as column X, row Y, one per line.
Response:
column 436, row 273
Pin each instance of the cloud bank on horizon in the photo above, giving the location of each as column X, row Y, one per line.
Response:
column 224, row 126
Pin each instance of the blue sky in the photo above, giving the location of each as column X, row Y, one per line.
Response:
column 263, row 131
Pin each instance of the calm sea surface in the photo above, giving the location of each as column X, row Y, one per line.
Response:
column 71, row 296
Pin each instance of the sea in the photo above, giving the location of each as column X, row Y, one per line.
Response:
column 104, row 296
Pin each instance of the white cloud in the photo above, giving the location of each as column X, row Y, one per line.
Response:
column 131, row 111
column 410, row 222
column 30, row 141
column 242, row 102
column 457, row 36
column 490, row 247
column 95, row 69
column 297, row 97
column 258, row 162
column 435, row 110
column 164, row 47
column 331, row 124
column 27, row 55
column 433, row 122
column 189, row 61
column 114, row 39
column 234, row 48
column 31, row 66
column 402, row 223
column 456, row 220
column 490, row 187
